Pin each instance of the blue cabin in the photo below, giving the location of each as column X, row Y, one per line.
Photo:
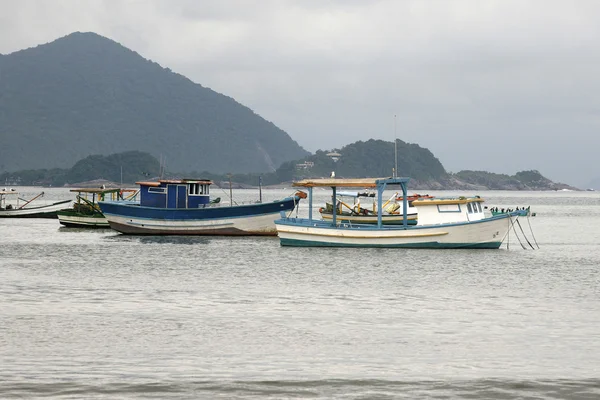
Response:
column 175, row 193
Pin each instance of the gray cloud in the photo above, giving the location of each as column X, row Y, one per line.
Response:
column 495, row 85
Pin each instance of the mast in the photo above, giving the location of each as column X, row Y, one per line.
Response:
column 230, row 192
column 395, row 174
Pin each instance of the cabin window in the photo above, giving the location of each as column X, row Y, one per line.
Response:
column 205, row 189
column 156, row 190
column 479, row 207
column 444, row 208
column 194, row 188
column 469, row 208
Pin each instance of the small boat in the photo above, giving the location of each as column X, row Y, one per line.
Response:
column 184, row 207
column 21, row 208
column 357, row 213
column 86, row 213
column 457, row 222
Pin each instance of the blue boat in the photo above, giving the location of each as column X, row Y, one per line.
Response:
column 184, row 207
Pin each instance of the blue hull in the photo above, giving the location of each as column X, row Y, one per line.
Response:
column 251, row 219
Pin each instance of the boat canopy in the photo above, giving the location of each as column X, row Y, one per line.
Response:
column 99, row 191
column 354, row 183
column 175, row 182
column 442, row 201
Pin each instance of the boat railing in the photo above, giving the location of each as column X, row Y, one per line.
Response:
column 237, row 203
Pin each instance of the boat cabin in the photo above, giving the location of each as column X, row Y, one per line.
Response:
column 5, row 195
column 175, row 193
column 449, row 210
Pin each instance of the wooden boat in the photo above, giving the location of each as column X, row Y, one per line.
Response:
column 443, row 222
column 184, row 207
column 21, row 208
column 359, row 213
column 86, row 213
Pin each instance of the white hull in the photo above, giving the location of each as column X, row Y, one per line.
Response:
column 71, row 220
column 254, row 225
column 488, row 233
column 48, row 211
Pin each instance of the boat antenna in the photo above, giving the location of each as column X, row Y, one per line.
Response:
column 395, row 174
column 230, row 192
column 260, row 189
column 163, row 162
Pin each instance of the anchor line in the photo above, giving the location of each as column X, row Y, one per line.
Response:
column 532, row 235
column 517, row 234
column 525, row 236
column 507, row 237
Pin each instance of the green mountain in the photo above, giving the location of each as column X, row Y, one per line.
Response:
column 84, row 94
column 127, row 167
column 372, row 158
column 523, row 180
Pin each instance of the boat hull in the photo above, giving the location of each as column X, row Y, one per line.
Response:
column 73, row 219
column 47, row 211
column 484, row 234
column 243, row 220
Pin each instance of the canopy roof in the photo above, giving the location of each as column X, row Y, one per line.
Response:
column 176, row 181
column 355, row 183
column 440, row 201
column 101, row 191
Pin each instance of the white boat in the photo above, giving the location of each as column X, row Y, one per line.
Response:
column 12, row 206
column 443, row 222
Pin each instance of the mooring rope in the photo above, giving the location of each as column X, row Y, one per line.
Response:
column 507, row 237
column 516, row 234
column 532, row 235
column 525, row 236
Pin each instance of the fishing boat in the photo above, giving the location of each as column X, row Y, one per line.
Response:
column 86, row 213
column 184, row 207
column 457, row 222
column 360, row 213
column 13, row 206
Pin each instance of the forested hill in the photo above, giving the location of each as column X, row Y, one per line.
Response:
column 357, row 160
column 377, row 158
column 84, row 94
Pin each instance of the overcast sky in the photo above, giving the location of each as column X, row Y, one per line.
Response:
column 501, row 86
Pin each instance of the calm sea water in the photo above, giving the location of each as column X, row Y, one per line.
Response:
column 98, row 315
